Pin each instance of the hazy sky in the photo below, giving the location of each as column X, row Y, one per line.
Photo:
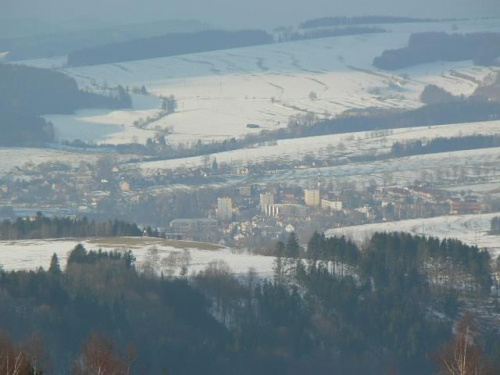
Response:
column 241, row 13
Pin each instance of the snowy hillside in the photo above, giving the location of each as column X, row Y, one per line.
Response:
column 31, row 254
column 470, row 229
column 336, row 145
column 219, row 93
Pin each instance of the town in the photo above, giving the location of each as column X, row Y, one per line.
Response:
column 230, row 205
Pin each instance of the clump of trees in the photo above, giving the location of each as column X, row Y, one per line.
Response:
column 495, row 225
column 26, row 93
column 433, row 94
column 99, row 356
column 437, row 145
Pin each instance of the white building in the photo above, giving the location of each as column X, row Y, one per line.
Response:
column 312, row 197
column 224, row 209
column 266, row 199
column 331, row 205
column 286, row 209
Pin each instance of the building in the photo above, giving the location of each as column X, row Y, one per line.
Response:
column 312, row 197
column 468, row 205
column 285, row 210
column 331, row 205
column 266, row 199
column 428, row 193
column 124, row 186
column 184, row 226
column 245, row 191
column 225, row 209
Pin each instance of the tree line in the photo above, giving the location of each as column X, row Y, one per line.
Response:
column 45, row 227
column 168, row 45
column 360, row 20
column 329, row 33
column 436, row 145
column 423, row 48
column 456, row 112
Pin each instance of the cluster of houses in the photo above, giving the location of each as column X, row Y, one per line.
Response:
column 271, row 212
column 234, row 215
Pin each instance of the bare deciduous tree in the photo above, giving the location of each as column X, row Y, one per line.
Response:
column 463, row 355
column 13, row 358
column 99, row 358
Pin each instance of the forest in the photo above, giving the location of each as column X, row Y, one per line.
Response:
column 168, row 45
column 328, row 33
column 361, row 20
column 456, row 112
column 334, row 308
column 424, row 48
column 26, row 93
column 436, row 145
column 64, row 227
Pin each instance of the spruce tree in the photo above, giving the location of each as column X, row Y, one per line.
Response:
column 55, row 268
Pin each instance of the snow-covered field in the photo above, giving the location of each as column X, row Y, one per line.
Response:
column 395, row 172
column 19, row 157
column 31, row 254
column 470, row 229
column 103, row 126
column 337, row 145
column 220, row 92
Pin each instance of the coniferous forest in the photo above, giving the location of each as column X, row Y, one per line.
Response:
column 59, row 227
column 333, row 308
column 168, row 45
column 424, row 48
column 27, row 93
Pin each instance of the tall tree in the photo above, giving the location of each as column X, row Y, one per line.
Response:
column 463, row 355
column 54, row 268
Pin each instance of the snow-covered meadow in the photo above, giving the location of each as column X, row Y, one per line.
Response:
column 31, row 254
column 470, row 229
column 220, row 92
column 398, row 172
column 20, row 156
column 336, row 146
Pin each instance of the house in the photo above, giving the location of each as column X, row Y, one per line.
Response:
column 331, row 205
column 183, row 226
column 467, row 205
column 124, row 186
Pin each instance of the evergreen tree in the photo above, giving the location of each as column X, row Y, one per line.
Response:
column 291, row 259
column 279, row 276
column 55, row 268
